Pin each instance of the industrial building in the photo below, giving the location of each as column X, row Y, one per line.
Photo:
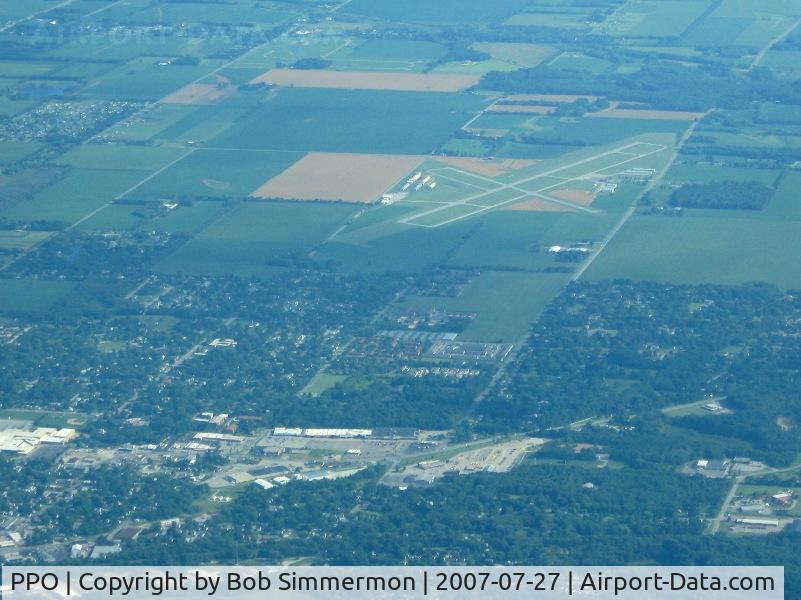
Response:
column 21, row 441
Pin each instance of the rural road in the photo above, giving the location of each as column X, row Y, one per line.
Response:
column 762, row 53
column 714, row 524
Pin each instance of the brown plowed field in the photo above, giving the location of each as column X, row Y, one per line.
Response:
column 339, row 177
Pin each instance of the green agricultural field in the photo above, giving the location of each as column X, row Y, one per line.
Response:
column 506, row 121
column 516, row 54
column 149, row 78
column 575, row 61
column 700, row 247
column 591, row 131
column 82, row 70
column 703, row 173
column 25, row 68
column 74, row 197
column 217, row 174
column 10, row 107
column 246, row 239
column 364, row 121
column 667, row 18
column 119, row 46
column 388, row 55
column 786, row 202
column 757, row 140
column 507, row 239
column 775, row 112
column 204, row 123
column 187, row 218
column 12, row 239
column 399, row 49
column 532, row 151
column 31, row 295
column 114, row 217
column 507, row 303
column 424, row 11
column 470, row 67
column 786, row 64
column 10, row 10
column 12, row 151
column 579, row 227
column 149, row 123
column 739, row 23
column 468, row 147
column 208, row 14
column 120, row 157
column 549, row 19
column 390, row 246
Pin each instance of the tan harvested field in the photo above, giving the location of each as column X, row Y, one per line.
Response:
column 339, row 177
column 488, row 168
column 535, row 109
column 582, row 197
column 628, row 113
column 369, row 80
column 537, row 205
column 202, row 94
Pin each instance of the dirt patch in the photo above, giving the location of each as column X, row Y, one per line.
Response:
column 660, row 115
column 339, row 177
column 488, row 168
column 202, row 94
column 368, row 80
column 582, row 197
column 537, row 205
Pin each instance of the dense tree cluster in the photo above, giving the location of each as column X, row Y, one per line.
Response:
column 623, row 349
column 731, row 195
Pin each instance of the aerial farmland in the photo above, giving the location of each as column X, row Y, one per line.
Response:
column 530, row 263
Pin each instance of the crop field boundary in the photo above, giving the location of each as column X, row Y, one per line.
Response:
column 456, row 210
